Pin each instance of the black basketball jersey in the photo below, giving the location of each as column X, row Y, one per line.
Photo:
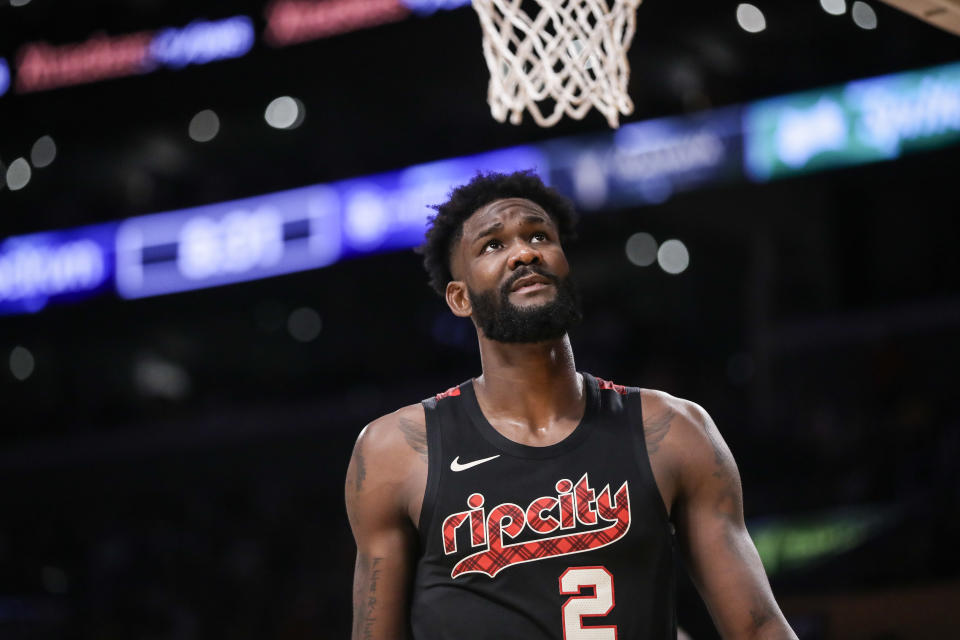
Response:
column 569, row 541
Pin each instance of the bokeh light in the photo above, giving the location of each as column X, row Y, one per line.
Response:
column 304, row 324
column 43, row 152
column 673, row 257
column 834, row 7
column 863, row 15
column 160, row 378
column 18, row 174
column 284, row 113
column 204, row 126
column 641, row 249
column 750, row 18
column 22, row 363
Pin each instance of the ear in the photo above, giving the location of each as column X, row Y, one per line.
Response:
column 458, row 299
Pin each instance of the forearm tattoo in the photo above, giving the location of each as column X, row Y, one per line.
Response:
column 365, row 597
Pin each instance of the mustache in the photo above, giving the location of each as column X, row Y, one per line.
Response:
column 526, row 271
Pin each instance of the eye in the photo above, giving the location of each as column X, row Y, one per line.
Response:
column 540, row 235
column 492, row 244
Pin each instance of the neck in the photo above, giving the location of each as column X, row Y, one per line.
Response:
column 531, row 384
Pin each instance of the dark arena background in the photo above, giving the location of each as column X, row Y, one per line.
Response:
column 207, row 211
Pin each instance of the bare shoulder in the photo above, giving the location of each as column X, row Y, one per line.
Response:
column 391, row 443
column 401, row 433
column 666, row 416
column 684, row 431
column 388, row 465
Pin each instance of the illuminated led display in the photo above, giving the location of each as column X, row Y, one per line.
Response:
column 41, row 66
column 227, row 242
column 641, row 163
column 862, row 121
column 61, row 265
column 646, row 162
column 426, row 7
column 292, row 21
column 291, row 230
column 201, row 42
column 4, row 76
column 798, row 541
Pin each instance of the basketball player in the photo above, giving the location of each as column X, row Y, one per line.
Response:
column 535, row 501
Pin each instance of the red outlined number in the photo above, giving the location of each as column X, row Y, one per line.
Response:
column 578, row 606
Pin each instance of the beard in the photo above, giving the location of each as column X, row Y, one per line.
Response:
column 503, row 321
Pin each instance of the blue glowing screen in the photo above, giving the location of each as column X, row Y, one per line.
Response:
column 201, row 41
column 426, row 7
column 314, row 226
column 862, row 121
column 4, row 76
column 56, row 265
column 292, row 230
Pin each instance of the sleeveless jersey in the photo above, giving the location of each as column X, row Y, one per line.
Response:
column 569, row 541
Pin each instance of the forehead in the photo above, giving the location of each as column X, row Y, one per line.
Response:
column 502, row 210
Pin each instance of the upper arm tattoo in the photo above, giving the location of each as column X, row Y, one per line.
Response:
column 416, row 436
column 729, row 496
column 655, row 429
column 715, row 444
column 361, row 469
column 356, row 474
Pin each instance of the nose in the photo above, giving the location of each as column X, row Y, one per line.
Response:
column 524, row 254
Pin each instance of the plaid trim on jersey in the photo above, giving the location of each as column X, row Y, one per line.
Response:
column 498, row 556
column 450, row 532
column 611, row 386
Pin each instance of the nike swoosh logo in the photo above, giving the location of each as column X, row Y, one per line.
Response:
column 456, row 466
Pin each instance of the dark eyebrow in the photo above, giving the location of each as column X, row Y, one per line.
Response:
column 530, row 218
column 489, row 231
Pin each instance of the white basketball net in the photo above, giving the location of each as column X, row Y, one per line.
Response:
column 571, row 55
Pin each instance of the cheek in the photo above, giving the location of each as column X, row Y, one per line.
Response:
column 475, row 280
column 486, row 272
column 559, row 263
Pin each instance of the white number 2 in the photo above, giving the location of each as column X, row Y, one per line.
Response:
column 578, row 606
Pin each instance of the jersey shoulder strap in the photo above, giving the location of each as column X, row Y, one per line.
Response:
column 438, row 410
column 633, row 400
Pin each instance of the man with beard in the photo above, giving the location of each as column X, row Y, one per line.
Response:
column 535, row 501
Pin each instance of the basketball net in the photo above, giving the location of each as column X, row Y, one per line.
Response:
column 569, row 57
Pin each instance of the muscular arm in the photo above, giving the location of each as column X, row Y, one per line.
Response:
column 722, row 558
column 386, row 468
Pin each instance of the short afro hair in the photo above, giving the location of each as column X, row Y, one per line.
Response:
column 446, row 226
